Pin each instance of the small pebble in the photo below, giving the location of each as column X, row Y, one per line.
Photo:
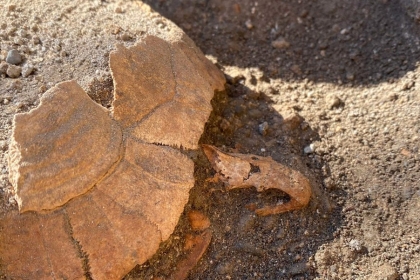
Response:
column 292, row 121
column 263, row 128
column 350, row 76
column 35, row 28
column 3, row 145
column 13, row 71
column 119, row 10
column 296, row 69
column 355, row 245
column 280, row 43
column 27, row 70
column 126, row 37
column 248, row 24
column 408, row 85
column 13, row 57
column 309, row 149
column 42, row 89
column 334, row 102
column 36, row 40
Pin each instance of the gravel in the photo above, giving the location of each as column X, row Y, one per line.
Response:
column 27, row 70
column 13, row 71
column 13, row 57
column 263, row 128
column 280, row 43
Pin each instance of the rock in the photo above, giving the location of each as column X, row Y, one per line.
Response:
column 27, row 70
column 355, row 245
column 263, row 128
column 249, row 24
column 334, row 102
column 309, row 149
column 280, row 43
column 384, row 272
column 13, row 57
column 126, row 37
column 408, row 85
column 292, row 121
column 36, row 40
column 350, row 76
column 118, row 10
column 13, row 71
column 296, row 69
column 3, row 145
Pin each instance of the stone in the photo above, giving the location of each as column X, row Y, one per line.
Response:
column 13, row 71
column 292, row 121
column 263, row 128
column 13, row 57
column 309, row 149
column 280, row 43
column 334, row 102
column 27, row 70
column 355, row 245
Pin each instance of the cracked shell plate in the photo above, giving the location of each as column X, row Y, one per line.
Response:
column 118, row 219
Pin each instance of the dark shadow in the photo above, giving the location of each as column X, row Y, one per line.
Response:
column 334, row 41
column 244, row 245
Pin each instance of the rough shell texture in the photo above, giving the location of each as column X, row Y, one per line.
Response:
column 114, row 194
column 34, row 246
column 174, row 73
column 60, row 149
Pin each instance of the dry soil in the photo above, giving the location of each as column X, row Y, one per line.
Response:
column 339, row 93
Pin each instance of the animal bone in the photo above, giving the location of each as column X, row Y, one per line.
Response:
column 244, row 171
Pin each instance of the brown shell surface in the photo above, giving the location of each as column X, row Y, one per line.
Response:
column 60, row 149
column 178, row 91
column 103, row 195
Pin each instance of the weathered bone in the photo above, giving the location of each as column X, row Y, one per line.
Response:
column 244, row 171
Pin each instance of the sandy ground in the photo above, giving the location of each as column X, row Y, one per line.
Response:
column 339, row 78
